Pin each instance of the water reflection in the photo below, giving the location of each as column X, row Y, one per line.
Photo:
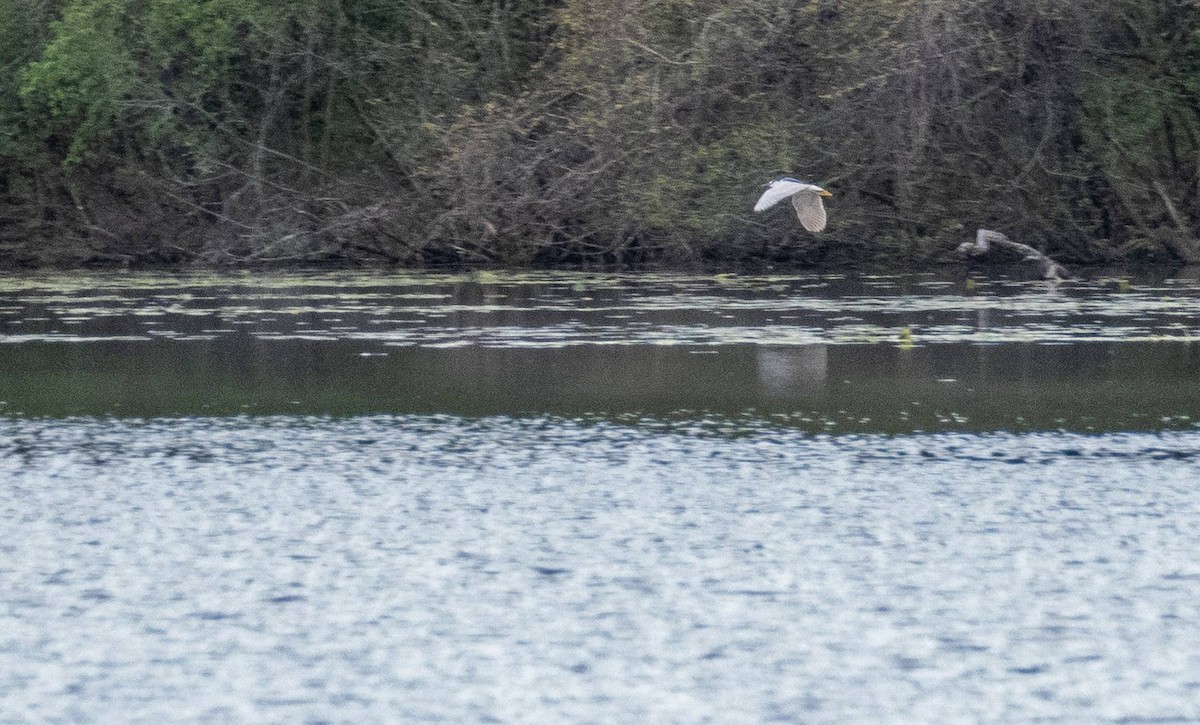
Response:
column 828, row 353
column 784, row 372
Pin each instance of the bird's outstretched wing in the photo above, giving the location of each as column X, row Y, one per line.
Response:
column 777, row 192
column 810, row 210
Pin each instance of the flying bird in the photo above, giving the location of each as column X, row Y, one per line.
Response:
column 806, row 198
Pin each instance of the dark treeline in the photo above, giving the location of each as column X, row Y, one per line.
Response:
column 581, row 131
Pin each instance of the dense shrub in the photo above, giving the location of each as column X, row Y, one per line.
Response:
column 575, row 131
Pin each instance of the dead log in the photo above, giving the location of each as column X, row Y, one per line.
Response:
column 984, row 238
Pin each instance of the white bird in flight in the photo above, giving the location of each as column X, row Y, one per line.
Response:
column 806, row 198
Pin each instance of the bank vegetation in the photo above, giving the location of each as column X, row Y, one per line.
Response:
column 568, row 132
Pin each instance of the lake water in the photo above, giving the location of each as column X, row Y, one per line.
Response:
column 494, row 497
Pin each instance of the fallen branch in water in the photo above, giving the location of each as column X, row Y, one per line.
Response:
column 984, row 238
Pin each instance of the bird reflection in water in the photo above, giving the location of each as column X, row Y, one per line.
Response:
column 795, row 371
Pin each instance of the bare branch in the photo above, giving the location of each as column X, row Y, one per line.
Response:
column 1185, row 247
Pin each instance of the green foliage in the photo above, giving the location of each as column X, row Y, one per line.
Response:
column 573, row 130
column 76, row 91
column 23, row 25
column 1126, row 117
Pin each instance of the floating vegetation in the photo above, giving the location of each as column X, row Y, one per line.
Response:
column 555, row 309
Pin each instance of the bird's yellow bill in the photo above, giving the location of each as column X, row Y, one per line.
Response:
column 822, row 192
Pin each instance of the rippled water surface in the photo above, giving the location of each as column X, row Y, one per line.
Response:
column 340, row 497
column 867, row 353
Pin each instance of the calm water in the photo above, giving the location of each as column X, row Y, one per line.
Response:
column 594, row 498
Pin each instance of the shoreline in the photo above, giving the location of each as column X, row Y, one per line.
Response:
column 964, row 269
